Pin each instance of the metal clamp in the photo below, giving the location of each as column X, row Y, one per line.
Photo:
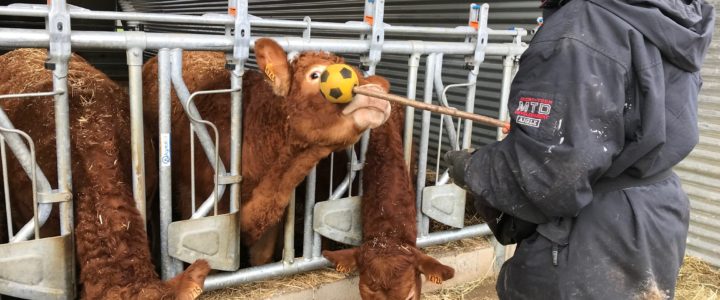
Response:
column 229, row 179
column 58, row 27
column 374, row 12
column 54, row 196
column 478, row 20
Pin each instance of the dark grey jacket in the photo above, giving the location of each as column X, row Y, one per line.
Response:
column 606, row 88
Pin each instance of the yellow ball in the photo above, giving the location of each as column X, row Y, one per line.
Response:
column 337, row 82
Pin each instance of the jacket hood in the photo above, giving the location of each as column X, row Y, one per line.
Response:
column 681, row 29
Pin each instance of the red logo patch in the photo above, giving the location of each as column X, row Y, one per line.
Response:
column 531, row 111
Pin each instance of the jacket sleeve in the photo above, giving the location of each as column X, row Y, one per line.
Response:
column 566, row 107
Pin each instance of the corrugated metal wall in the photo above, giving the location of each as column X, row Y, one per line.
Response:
column 700, row 172
column 503, row 15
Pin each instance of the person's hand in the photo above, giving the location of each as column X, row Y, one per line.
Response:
column 458, row 159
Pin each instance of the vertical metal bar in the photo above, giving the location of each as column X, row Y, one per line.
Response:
column 413, row 64
column 508, row 63
column 236, row 77
column 289, row 246
column 6, row 188
column 481, row 13
column 192, row 168
column 310, row 180
column 424, row 140
column 168, row 263
column 137, row 140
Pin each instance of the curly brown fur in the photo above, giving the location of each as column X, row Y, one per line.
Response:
column 283, row 136
column 111, row 243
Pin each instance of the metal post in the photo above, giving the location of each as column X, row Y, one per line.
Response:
column 508, row 64
column 6, row 188
column 289, row 246
column 478, row 17
column 449, row 125
column 169, row 265
column 137, row 139
column 236, row 120
column 311, row 180
column 413, row 64
column 424, row 141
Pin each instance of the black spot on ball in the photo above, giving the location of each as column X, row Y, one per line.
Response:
column 324, row 76
column 335, row 93
column 346, row 73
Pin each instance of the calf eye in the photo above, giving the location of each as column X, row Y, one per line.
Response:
column 315, row 75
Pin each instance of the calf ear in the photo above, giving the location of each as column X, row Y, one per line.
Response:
column 272, row 60
column 345, row 260
column 434, row 271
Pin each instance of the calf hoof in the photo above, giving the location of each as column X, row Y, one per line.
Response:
column 189, row 284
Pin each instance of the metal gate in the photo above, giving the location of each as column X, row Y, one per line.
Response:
column 441, row 202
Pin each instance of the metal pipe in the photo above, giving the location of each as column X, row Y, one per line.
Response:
column 227, row 279
column 413, row 64
column 24, row 157
column 27, row 95
column 289, row 241
column 221, row 280
column 216, row 145
column 168, row 263
column 443, row 237
column 310, row 181
column 508, row 63
column 236, row 77
column 470, row 105
column 347, row 181
column 33, row 177
column 137, row 139
column 21, row 38
column 203, row 135
column 224, row 19
column 6, row 188
column 424, row 141
column 440, row 90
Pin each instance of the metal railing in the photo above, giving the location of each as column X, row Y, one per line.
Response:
column 237, row 43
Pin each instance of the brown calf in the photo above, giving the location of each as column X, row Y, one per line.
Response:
column 287, row 128
column 388, row 260
column 111, row 243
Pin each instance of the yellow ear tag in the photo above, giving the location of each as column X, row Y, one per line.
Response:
column 269, row 72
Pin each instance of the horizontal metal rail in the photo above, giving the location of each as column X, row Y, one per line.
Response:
column 38, row 38
column 225, row 19
column 28, row 95
column 222, row 280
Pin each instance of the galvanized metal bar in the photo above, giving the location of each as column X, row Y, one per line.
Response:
column 289, row 234
column 347, row 181
column 223, row 19
column 137, row 137
column 443, row 237
column 24, row 157
column 440, row 90
column 28, row 95
column 33, row 177
column 228, row 279
column 481, row 49
column 20, row 38
column 168, row 264
column 508, row 64
column 216, row 145
column 413, row 64
column 203, row 135
column 424, row 143
column 310, row 184
column 221, row 280
column 236, row 120
column 6, row 188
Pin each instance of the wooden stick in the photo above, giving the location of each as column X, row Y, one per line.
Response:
column 434, row 108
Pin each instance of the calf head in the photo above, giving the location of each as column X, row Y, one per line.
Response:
column 389, row 270
column 311, row 116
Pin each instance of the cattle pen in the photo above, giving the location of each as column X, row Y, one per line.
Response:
column 43, row 267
